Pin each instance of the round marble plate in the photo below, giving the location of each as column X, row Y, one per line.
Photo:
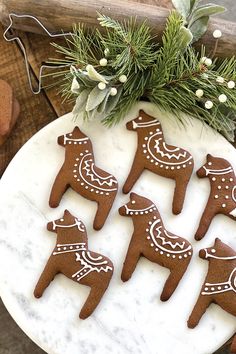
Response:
column 130, row 318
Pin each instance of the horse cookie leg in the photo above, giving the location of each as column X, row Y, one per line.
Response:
column 59, row 187
column 131, row 260
column 172, row 281
column 135, row 172
column 95, row 295
column 205, row 221
column 45, row 279
column 179, row 194
column 199, row 309
column 103, row 210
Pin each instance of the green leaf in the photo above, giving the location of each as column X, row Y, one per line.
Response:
column 206, row 10
column 192, row 3
column 94, row 75
column 80, row 101
column 95, row 97
column 101, row 108
column 186, row 37
column 199, row 27
column 182, row 6
column 113, row 100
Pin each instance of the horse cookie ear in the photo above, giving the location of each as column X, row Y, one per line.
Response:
column 209, row 157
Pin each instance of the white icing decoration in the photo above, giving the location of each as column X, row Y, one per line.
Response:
column 69, row 247
column 159, row 160
column 70, row 140
column 226, row 258
column 218, row 172
column 140, row 211
column 233, row 194
column 95, row 179
column 163, row 240
column 216, row 288
column 89, row 167
column 171, row 153
column 90, row 264
column 77, row 223
column 146, row 124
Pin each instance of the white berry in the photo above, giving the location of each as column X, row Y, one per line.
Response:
column 217, row 33
column 106, row 52
column 101, row 86
column 199, row 93
column 208, row 62
column 231, row 84
column 103, row 62
column 220, row 79
column 205, row 76
column 113, row 91
column 222, row 98
column 123, row 78
column 209, row 104
column 202, row 60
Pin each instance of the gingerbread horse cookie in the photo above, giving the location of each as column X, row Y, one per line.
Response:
column 155, row 155
column 72, row 258
column 219, row 286
column 151, row 240
column 81, row 174
column 222, row 198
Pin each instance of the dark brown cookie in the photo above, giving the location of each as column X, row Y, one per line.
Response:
column 155, row 155
column 72, row 258
column 222, row 198
column 219, row 286
column 151, row 240
column 81, row 174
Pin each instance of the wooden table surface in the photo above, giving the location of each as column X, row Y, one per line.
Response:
column 36, row 112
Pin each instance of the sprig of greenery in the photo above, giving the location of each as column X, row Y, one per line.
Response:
column 111, row 70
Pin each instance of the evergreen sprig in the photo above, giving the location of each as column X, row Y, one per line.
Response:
column 111, row 70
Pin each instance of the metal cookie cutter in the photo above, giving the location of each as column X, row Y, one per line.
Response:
column 22, row 47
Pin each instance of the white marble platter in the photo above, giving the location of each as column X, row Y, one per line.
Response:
column 130, row 318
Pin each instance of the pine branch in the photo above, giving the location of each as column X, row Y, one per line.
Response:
column 108, row 72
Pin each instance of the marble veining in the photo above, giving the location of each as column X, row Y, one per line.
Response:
column 130, row 318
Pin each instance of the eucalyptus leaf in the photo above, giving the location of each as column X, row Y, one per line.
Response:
column 84, row 80
column 75, row 86
column 182, row 6
column 113, row 100
column 192, row 3
column 101, row 108
column 95, row 97
column 80, row 101
column 186, row 37
column 94, row 75
column 206, row 10
column 199, row 27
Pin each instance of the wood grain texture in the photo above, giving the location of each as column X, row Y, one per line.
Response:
column 60, row 17
column 32, row 116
